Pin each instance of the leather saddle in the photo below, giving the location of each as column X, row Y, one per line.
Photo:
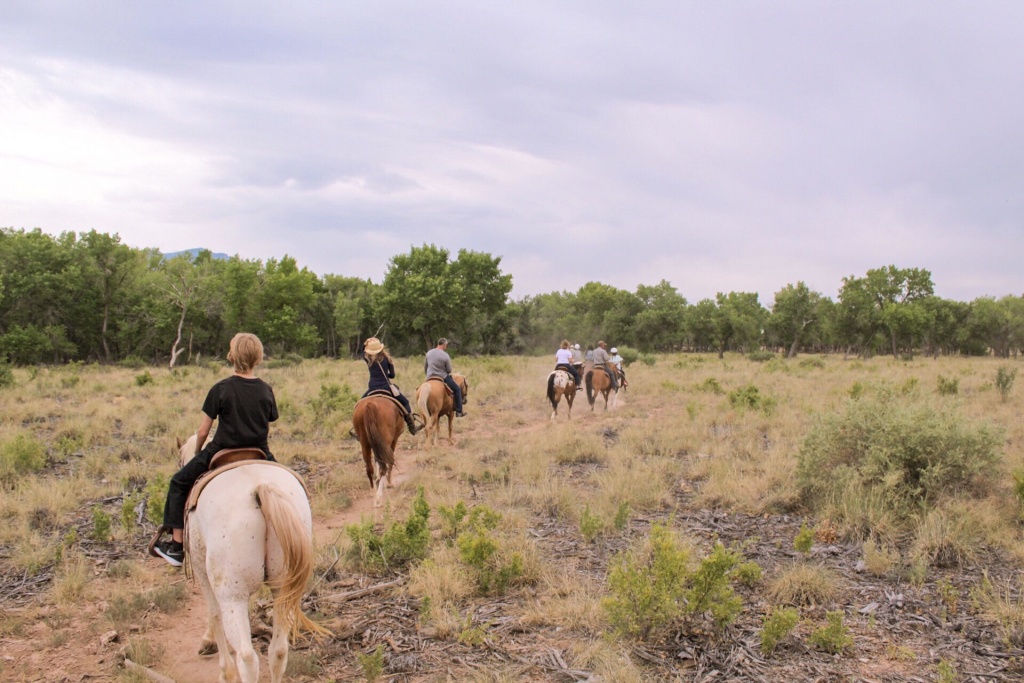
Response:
column 447, row 388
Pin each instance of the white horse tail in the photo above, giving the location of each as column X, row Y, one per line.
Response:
column 422, row 401
column 297, row 547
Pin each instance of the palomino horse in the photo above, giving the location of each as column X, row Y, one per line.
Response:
column 433, row 402
column 378, row 423
column 251, row 525
column 598, row 381
column 560, row 384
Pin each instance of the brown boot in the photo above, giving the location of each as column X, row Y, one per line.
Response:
column 411, row 424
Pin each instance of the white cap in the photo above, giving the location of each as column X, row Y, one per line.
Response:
column 577, row 347
column 614, row 350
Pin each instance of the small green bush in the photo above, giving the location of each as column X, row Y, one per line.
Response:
column 372, row 664
column 948, row 386
column 751, row 398
column 804, row 540
column 657, row 584
column 143, row 379
column 761, row 356
column 1005, row 376
column 834, row 637
column 100, row 524
column 22, row 455
column 400, row 545
column 621, row 516
column 483, row 551
column 6, row 374
column 591, row 525
column 333, row 398
column 156, row 496
column 648, row 359
column 778, row 624
column 812, row 363
column 711, row 386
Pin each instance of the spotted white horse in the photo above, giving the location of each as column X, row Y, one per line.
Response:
column 252, row 524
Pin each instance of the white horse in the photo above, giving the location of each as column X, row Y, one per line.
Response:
column 252, row 524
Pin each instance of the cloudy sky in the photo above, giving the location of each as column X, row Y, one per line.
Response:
column 717, row 145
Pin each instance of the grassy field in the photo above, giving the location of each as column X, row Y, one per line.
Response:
column 573, row 520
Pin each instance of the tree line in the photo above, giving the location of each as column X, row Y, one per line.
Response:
column 88, row 297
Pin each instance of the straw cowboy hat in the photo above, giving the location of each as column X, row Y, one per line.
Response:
column 373, row 345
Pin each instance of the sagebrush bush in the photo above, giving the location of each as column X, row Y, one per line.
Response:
column 21, row 455
column 660, row 583
column 401, row 544
column 909, row 453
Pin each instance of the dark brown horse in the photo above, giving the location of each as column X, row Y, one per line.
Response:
column 378, row 421
column 561, row 384
column 433, row 402
column 599, row 381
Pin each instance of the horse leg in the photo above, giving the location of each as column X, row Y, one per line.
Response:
column 451, row 418
column 235, row 620
column 368, row 460
column 277, row 653
column 213, row 639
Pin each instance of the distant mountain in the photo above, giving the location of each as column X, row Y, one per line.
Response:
column 195, row 252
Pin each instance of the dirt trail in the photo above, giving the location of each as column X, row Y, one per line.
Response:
column 181, row 633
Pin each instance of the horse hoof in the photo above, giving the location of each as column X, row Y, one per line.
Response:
column 208, row 649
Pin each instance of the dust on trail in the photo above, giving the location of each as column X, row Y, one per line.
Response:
column 181, row 632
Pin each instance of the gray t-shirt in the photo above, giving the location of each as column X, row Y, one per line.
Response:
column 577, row 356
column 438, row 363
column 601, row 356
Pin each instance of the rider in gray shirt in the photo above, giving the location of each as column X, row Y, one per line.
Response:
column 602, row 359
column 439, row 364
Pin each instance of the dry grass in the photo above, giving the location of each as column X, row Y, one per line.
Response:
column 674, row 441
column 804, row 584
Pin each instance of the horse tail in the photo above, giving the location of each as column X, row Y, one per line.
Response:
column 589, row 381
column 379, row 443
column 296, row 542
column 423, row 401
column 551, row 390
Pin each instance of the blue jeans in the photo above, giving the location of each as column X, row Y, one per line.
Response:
column 456, row 392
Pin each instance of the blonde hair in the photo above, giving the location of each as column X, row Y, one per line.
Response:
column 565, row 343
column 245, row 352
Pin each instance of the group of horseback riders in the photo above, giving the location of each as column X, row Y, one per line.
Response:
column 569, row 358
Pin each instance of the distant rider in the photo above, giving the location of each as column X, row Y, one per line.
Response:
column 563, row 361
column 603, row 360
column 439, row 364
column 382, row 371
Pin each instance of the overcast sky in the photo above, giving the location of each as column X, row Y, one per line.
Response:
column 718, row 145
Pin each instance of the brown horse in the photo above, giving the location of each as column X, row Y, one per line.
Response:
column 599, row 381
column 560, row 384
column 378, row 421
column 433, row 403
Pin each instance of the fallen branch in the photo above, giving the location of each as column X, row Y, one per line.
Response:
column 353, row 595
column 147, row 672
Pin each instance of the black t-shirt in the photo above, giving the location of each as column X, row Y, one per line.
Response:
column 245, row 408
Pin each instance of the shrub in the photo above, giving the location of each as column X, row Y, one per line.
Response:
column 591, row 525
column 778, row 624
column 6, row 374
column 333, row 398
column 948, row 386
column 1004, row 381
column 760, row 356
column 100, row 524
column 648, row 359
column 804, row 539
column 656, row 584
column 711, row 386
column 143, row 379
column 834, row 637
column 812, row 363
column 372, row 664
column 495, row 566
column 156, row 496
column 401, row 544
column 905, row 455
column 22, row 455
column 750, row 397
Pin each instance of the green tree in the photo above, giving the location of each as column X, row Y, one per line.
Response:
column 738, row 320
column 286, row 302
column 661, row 324
column 896, row 293
column 795, row 315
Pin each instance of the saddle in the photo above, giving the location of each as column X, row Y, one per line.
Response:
column 447, row 388
column 385, row 394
